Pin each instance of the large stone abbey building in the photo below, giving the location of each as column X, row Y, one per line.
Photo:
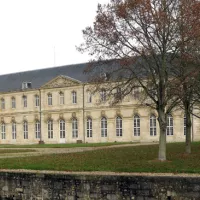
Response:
column 55, row 105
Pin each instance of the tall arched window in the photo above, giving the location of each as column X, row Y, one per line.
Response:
column 152, row 125
column 14, row 131
column 103, row 127
column 37, row 129
column 118, row 126
column 89, row 127
column 25, row 128
column 62, row 128
column 136, row 125
column 50, row 129
column 74, row 128
column 3, row 131
column 169, row 129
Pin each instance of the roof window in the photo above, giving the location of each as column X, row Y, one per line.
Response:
column 26, row 85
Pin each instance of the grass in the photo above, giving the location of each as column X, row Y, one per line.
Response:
column 124, row 159
column 5, row 151
column 72, row 145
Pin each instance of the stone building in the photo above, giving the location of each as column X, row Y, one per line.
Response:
column 55, row 105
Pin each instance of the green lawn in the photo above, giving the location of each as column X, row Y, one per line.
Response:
column 125, row 159
column 5, row 151
column 72, row 145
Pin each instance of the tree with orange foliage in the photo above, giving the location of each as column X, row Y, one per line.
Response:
column 135, row 44
column 188, row 64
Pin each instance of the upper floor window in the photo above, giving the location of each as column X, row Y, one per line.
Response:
column 50, row 129
column 74, row 128
column 103, row 127
column 74, row 97
column 184, row 124
column 24, row 101
column 169, row 128
column 118, row 94
column 2, row 103
column 136, row 93
column 14, row 131
column 118, row 126
column 103, row 95
column 62, row 99
column 3, row 131
column 25, row 128
column 89, row 127
column 13, row 102
column 50, row 100
column 37, row 100
column 152, row 125
column 37, row 129
column 136, row 125
column 62, row 128
column 89, row 97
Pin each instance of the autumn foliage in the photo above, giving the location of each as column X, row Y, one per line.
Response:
column 147, row 40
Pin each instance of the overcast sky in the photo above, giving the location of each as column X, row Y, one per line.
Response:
column 31, row 29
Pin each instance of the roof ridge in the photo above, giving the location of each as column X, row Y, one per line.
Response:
column 47, row 68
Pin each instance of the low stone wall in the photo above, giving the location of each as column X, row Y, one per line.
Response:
column 43, row 186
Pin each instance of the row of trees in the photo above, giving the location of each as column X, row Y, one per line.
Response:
column 151, row 44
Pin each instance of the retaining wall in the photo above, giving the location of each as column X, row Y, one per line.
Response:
column 43, row 186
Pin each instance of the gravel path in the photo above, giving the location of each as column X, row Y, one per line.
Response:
column 45, row 151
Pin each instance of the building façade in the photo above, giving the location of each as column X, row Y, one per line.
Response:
column 55, row 105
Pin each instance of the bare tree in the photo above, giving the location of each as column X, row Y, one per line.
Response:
column 187, row 63
column 142, row 39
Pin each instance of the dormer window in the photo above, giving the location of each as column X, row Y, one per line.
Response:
column 26, row 85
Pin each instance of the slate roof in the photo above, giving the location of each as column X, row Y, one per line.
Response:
column 13, row 82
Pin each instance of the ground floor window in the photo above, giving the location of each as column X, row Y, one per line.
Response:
column 3, row 131
column 50, row 129
column 62, row 128
column 136, row 125
column 25, row 127
column 152, row 125
column 37, row 130
column 14, row 131
column 89, row 127
column 103, row 127
column 74, row 128
column 118, row 126
column 169, row 129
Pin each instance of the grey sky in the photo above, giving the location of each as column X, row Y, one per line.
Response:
column 30, row 29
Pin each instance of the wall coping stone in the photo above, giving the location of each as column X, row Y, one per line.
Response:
column 99, row 173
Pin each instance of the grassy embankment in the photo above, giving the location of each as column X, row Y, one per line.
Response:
column 123, row 159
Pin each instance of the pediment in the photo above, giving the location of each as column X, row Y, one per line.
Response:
column 61, row 81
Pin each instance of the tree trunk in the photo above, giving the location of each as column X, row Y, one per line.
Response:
column 188, row 132
column 162, row 140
